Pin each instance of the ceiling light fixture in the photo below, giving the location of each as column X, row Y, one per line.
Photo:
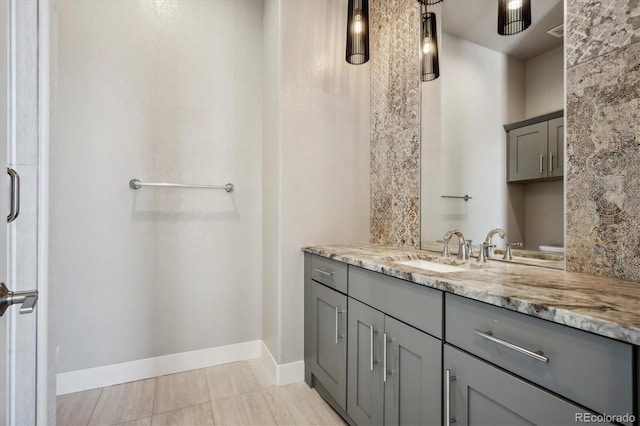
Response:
column 430, row 67
column 514, row 16
column 357, row 32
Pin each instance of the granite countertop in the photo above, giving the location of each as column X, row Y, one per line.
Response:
column 606, row 306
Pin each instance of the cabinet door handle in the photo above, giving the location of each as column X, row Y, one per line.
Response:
column 541, row 163
column 448, row 419
column 371, row 333
column 537, row 355
column 384, row 357
column 323, row 272
column 338, row 335
column 550, row 162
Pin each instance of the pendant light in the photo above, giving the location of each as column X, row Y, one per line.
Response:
column 357, row 32
column 429, row 2
column 430, row 67
column 514, row 16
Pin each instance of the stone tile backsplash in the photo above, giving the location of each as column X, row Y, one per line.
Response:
column 395, row 122
column 603, row 165
column 596, row 27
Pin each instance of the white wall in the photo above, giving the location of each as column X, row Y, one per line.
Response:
column 160, row 91
column 544, row 209
column 543, row 202
column 316, row 162
column 545, row 83
column 481, row 90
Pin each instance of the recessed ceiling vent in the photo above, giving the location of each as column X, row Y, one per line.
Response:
column 557, row 32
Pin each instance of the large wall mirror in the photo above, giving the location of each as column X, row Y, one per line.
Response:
column 487, row 81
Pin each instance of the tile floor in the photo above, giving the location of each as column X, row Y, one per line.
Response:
column 231, row 394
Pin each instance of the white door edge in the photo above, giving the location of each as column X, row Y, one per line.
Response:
column 45, row 396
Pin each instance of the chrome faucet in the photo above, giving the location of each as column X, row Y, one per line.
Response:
column 462, row 245
column 487, row 246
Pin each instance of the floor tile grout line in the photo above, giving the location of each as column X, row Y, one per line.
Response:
column 206, row 379
column 273, row 414
column 155, row 391
column 176, row 409
column 95, row 405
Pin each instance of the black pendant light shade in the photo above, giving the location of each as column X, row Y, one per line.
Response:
column 429, row 47
column 514, row 16
column 429, row 2
column 358, row 32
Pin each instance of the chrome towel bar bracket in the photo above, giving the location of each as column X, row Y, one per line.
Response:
column 137, row 184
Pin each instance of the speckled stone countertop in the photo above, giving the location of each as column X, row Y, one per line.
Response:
column 605, row 306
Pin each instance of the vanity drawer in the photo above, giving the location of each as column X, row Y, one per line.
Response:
column 414, row 304
column 591, row 370
column 329, row 272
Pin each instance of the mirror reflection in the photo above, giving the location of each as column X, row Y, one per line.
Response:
column 488, row 81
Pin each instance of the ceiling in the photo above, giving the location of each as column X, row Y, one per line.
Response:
column 476, row 21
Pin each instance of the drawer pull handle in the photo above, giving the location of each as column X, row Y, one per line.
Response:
column 448, row 419
column 323, row 272
column 538, row 355
column 338, row 335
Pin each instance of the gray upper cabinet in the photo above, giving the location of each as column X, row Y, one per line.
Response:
column 325, row 340
column 555, row 144
column 477, row 393
column 535, row 148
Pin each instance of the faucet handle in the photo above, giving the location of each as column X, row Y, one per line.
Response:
column 484, row 247
column 469, row 248
column 507, row 251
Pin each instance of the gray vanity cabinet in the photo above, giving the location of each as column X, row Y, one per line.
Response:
column 325, row 339
column 477, row 393
column 535, row 148
column 394, row 371
column 412, row 391
column 365, row 398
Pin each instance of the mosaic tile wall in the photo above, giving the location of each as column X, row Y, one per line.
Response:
column 603, row 137
column 395, row 122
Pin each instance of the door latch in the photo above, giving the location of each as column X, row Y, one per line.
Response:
column 27, row 299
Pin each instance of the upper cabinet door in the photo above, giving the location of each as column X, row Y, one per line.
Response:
column 556, row 147
column 528, row 152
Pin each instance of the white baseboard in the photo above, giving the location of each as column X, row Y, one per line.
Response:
column 108, row 375
column 114, row 374
column 281, row 374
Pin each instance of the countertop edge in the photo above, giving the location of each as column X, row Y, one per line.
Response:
column 566, row 317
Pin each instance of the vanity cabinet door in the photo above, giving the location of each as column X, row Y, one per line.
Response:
column 556, row 147
column 478, row 393
column 412, row 390
column 527, row 152
column 328, row 341
column 365, row 398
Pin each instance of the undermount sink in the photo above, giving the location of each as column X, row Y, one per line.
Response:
column 430, row 266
